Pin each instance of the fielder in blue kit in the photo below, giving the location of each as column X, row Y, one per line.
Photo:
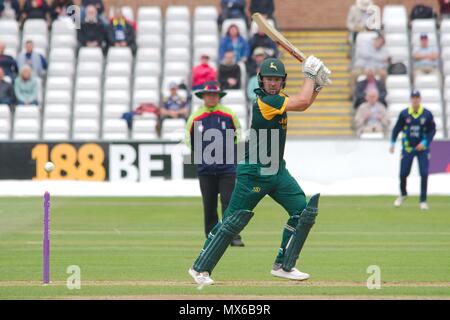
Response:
column 418, row 129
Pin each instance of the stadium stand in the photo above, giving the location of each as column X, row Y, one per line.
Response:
column 84, row 94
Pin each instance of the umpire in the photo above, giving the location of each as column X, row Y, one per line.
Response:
column 418, row 128
column 218, row 177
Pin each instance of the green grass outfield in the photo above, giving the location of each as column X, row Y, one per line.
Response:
column 142, row 248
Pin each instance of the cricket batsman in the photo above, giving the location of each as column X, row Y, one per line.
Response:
column 256, row 179
column 418, row 129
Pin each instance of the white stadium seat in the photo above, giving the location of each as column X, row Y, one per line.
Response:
column 63, row 41
column 431, row 95
column 173, row 129
column 87, row 97
column 90, row 55
column 206, row 28
column 147, row 69
column 85, row 129
column 427, row 81
column 398, row 96
column 5, row 129
column 62, row 55
column 177, row 13
column 115, row 129
column 419, row 26
column 149, row 27
column 58, row 97
column 117, row 97
column 397, row 82
column 177, row 55
column 87, row 111
column 178, row 27
column 26, row 129
column 397, row 40
column 89, row 69
column 206, row 13
column 144, row 129
column 35, row 26
column 117, row 83
column 118, row 69
column 120, row 55
column 149, row 41
column 58, row 111
column 146, row 83
column 148, row 13
column 395, row 19
column 148, row 55
column 88, row 83
column 61, row 69
column 64, row 26
column 206, row 41
column 176, row 69
column 59, row 83
column 114, row 110
column 145, row 96
column 56, row 129
column 234, row 97
column 178, row 41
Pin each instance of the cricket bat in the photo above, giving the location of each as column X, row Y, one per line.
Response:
column 277, row 37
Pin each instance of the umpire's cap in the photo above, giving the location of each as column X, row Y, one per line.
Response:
column 211, row 87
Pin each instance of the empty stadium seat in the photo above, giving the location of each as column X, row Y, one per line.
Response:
column 149, row 13
column 234, row 97
column 146, row 83
column 26, row 129
column 178, row 27
column 62, row 55
column 419, row 26
column 5, row 122
column 149, row 41
column 427, row 81
column 120, row 55
column 115, row 129
column 61, row 69
column 57, row 111
column 59, row 83
column 88, row 83
column 178, row 41
column 431, row 95
column 397, row 82
column 56, row 129
column 395, row 19
column 89, row 69
column 205, row 13
column 398, row 96
column 173, row 129
column 177, row 13
column 148, row 55
column 85, row 129
column 145, row 96
column 144, row 129
column 143, row 69
column 117, row 83
column 177, row 69
column 58, row 97
column 206, row 28
column 86, row 111
column 114, row 110
column 149, row 27
column 87, row 97
column 118, row 69
column 116, row 97
column 90, row 55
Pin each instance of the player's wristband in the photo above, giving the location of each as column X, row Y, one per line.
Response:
column 424, row 142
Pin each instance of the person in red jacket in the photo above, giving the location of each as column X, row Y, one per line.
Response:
column 202, row 73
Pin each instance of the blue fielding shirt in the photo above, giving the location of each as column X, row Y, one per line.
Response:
column 416, row 128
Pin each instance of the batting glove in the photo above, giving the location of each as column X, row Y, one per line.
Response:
column 311, row 67
column 322, row 79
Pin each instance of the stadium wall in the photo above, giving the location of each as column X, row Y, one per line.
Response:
column 290, row 14
column 333, row 167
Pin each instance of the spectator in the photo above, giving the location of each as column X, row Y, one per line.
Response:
column 252, row 84
column 229, row 72
column 32, row 58
column 374, row 56
column 369, row 83
column 232, row 9
column 444, row 9
column 98, row 4
column 202, row 73
column 10, row 9
column 120, row 32
column 358, row 17
column 425, row 57
column 59, row 8
column 36, row 9
column 7, row 63
column 259, row 54
column 6, row 91
column 372, row 115
column 26, row 87
column 92, row 32
column 265, row 7
column 262, row 40
column 174, row 106
column 234, row 41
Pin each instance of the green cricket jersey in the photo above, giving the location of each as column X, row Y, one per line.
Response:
column 268, row 112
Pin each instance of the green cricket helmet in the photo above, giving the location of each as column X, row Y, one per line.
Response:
column 272, row 67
